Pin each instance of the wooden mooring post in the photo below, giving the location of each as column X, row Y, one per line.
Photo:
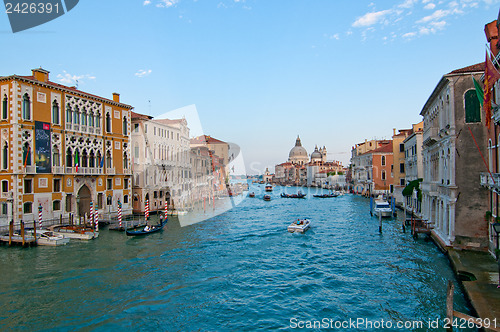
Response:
column 451, row 313
column 11, row 231
column 22, row 232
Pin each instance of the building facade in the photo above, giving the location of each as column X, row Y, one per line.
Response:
column 414, row 165
column 62, row 149
column 452, row 198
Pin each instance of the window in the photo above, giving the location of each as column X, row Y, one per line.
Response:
column 69, row 116
column 125, row 125
column 472, row 109
column 154, row 130
column 383, row 175
column 28, row 207
column 109, row 184
column 56, row 205
column 108, row 160
column 91, row 119
column 5, row 156
column 109, row 200
column 68, row 203
column 125, row 184
column 5, row 107
column 55, row 112
column 125, row 199
column 401, row 147
column 155, row 194
column 145, row 129
column 136, row 127
column 383, row 160
column 26, row 154
column 98, row 120
column 402, row 182
column 76, row 116
column 28, row 186
column 55, row 158
column 4, row 208
column 26, row 107
column 57, row 185
column 401, row 168
column 5, row 186
column 125, row 161
column 108, row 122
column 69, row 158
column 100, row 200
column 84, row 117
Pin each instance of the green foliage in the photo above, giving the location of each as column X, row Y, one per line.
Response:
column 488, row 215
column 330, row 173
column 415, row 184
column 340, row 173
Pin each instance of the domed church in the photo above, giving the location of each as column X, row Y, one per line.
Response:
column 298, row 154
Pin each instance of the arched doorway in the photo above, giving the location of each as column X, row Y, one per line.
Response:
column 83, row 201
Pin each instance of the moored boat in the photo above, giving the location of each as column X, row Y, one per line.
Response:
column 299, row 226
column 382, row 208
column 75, row 232
column 48, row 238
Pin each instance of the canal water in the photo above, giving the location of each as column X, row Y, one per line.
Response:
column 240, row 270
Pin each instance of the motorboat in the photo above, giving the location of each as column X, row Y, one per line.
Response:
column 334, row 194
column 382, row 208
column 269, row 187
column 299, row 226
column 75, row 232
column 252, row 194
column 49, row 238
column 267, row 197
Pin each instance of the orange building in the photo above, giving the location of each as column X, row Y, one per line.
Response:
column 382, row 169
column 62, row 149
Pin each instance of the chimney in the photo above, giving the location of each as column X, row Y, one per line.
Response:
column 40, row 74
column 116, row 97
column 393, row 131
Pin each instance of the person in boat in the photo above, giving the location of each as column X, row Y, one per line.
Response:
column 147, row 228
column 161, row 218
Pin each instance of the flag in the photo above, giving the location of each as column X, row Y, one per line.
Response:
column 479, row 91
column 102, row 162
column 76, row 161
column 491, row 75
column 27, row 155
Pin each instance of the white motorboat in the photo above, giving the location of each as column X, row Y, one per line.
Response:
column 299, row 226
column 75, row 232
column 382, row 208
column 48, row 238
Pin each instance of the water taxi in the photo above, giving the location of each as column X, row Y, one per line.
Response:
column 299, row 226
column 382, row 208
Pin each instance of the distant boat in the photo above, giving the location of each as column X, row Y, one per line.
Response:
column 269, row 187
column 252, row 194
column 267, row 197
column 297, row 195
column 334, row 194
column 299, row 226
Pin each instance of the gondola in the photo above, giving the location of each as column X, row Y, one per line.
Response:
column 298, row 195
column 326, row 195
column 141, row 230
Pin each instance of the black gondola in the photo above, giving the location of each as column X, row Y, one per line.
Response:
column 141, row 231
column 326, row 195
column 298, row 195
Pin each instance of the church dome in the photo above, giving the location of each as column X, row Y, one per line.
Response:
column 316, row 154
column 298, row 151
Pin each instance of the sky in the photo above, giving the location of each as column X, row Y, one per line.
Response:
column 258, row 72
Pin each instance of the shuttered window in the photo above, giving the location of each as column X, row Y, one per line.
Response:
column 472, row 109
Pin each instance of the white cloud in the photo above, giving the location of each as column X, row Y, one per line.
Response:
column 434, row 16
column 142, row 72
column 146, row 2
column 167, row 3
column 335, row 36
column 407, row 4
column 409, row 35
column 371, row 18
column 438, row 25
column 430, row 6
column 68, row 79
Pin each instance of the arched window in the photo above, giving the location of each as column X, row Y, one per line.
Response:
column 76, row 116
column 383, row 175
column 108, row 122
column 85, row 159
column 84, row 117
column 55, row 112
column 26, row 154
column 5, row 156
column 69, row 116
column 55, row 157
column 98, row 120
column 5, row 107
column 91, row 119
column 108, row 160
column 92, row 159
column 69, row 158
column 100, row 163
column 26, row 106
column 472, row 109
column 383, row 160
column 125, row 161
column 125, row 126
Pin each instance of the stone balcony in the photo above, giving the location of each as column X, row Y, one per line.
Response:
column 490, row 181
column 431, row 136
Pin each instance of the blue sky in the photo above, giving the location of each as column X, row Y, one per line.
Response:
column 262, row 72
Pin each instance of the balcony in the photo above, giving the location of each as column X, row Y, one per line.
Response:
column 110, row 171
column 69, row 126
column 490, row 181
column 431, row 136
column 127, row 171
column 6, row 195
column 28, row 169
column 58, row 169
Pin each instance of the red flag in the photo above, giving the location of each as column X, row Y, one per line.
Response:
column 491, row 75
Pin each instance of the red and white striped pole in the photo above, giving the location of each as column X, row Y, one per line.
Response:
column 40, row 216
column 120, row 213
column 91, row 214
column 146, row 211
column 166, row 209
column 96, row 220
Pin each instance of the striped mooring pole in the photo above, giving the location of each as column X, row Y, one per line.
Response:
column 91, row 214
column 146, row 211
column 40, row 216
column 166, row 209
column 120, row 213
column 96, row 220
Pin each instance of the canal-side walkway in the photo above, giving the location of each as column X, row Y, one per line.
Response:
column 482, row 292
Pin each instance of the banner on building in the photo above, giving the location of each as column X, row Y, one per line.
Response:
column 42, row 147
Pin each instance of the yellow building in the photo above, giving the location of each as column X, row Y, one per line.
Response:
column 62, row 148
